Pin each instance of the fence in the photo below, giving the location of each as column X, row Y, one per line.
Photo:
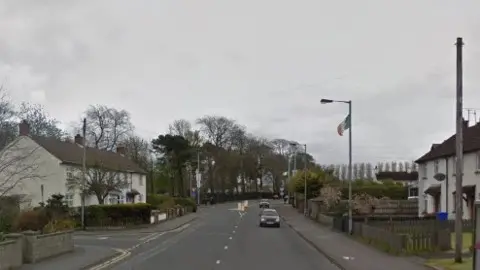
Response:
column 396, row 234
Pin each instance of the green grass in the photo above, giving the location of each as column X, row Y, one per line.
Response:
column 449, row 264
column 466, row 240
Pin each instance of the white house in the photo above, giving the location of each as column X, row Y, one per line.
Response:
column 439, row 196
column 407, row 179
column 39, row 167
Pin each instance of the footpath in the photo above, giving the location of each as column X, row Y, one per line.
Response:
column 343, row 251
column 87, row 256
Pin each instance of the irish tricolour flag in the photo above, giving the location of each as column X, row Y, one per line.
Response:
column 344, row 125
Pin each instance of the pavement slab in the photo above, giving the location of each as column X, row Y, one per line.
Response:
column 344, row 251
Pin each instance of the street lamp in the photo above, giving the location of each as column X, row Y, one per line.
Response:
column 349, row 102
column 304, row 176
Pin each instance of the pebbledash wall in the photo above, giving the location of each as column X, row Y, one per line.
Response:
column 426, row 172
column 31, row 247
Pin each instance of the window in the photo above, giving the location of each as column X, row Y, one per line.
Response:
column 436, row 165
column 478, row 161
column 424, row 170
column 70, row 174
column 114, row 198
column 68, row 199
column 413, row 192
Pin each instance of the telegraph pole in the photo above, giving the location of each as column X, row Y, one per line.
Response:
column 84, row 169
column 459, row 153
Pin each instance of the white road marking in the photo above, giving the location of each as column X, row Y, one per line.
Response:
column 348, row 258
column 102, row 238
column 123, row 254
column 226, row 247
column 218, row 261
column 230, row 238
column 236, row 226
column 146, row 237
column 233, row 232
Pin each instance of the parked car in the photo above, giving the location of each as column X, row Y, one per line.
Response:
column 264, row 204
column 269, row 218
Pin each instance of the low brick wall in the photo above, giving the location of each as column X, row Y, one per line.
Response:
column 11, row 252
column 41, row 246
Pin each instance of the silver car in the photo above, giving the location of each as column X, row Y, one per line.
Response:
column 269, row 218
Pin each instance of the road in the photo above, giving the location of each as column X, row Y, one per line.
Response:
column 222, row 239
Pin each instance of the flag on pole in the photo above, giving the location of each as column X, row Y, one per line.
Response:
column 344, row 125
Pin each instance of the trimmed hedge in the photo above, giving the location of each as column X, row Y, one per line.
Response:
column 186, row 202
column 118, row 214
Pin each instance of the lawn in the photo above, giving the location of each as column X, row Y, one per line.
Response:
column 466, row 240
column 449, row 264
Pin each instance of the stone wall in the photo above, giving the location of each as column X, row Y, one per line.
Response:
column 41, row 246
column 30, row 247
column 11, row 252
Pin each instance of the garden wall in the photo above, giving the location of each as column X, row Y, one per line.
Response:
column 30, row 247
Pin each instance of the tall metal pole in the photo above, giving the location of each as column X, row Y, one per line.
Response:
column 197, row 177
column 350, row 205
column 84, row 170
column 305, row 180
column 289, row 175
column 459, row 153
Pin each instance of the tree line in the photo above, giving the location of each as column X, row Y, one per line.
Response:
column 229, row 158
column 367, row 170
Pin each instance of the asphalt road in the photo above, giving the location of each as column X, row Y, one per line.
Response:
column 223, row 239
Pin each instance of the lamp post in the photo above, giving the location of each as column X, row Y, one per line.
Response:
column 349, row 102
column 304, row 175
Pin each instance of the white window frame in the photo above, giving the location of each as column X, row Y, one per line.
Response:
column 113, row 198
column 70, row 173
column 436, row 166
column 424, row 170
column 68, row 199
column 477, row 164
column 410, row 195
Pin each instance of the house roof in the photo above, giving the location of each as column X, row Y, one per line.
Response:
column 72, row 153
column 471, row 143
column 397, row 176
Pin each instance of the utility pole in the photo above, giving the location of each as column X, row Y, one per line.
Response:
column 305, row 207
column 84, row 170
column 459, row 153
column 198, row 177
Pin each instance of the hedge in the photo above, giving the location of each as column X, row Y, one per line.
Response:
column 118, row 214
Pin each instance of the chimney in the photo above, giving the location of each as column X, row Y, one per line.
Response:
column 121, row 150
column 79, row 139
column 24, row 128
column 465, row 124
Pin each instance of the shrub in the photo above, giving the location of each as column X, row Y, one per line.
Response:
column 161, row 202
column 186, row 202
column 59, row 225
column 118, row 214
column 33, row 220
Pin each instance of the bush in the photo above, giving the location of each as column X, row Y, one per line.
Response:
column 187, row 202
column 33, row 220
column 59, row 225
column 161, row 202
column 118, row 214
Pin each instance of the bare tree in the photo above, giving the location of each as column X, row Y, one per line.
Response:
column 407, row 166
column 8, row 125
column 369, row 171
column 355, row 171
column 19, row 163
column 387, row 167
column 138, row 150
column 414, row 166
column 41, row 124
column 361, row 170
column 380, row 167
column 216, row 129
column 401, row 167
column 106, row 127
column 394, row 166
column 344, row 172
column 99, row 182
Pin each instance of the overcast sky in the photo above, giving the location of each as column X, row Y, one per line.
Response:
column 263, row 63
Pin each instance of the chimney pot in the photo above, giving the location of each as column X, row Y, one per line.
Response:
column 79, row 139
column 121, row 150
column 24, row 128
